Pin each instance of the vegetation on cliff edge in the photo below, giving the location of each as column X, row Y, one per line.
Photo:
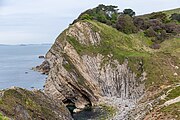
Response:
column 159, row 26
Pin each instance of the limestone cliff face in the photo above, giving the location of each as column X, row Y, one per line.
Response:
column 86, row 78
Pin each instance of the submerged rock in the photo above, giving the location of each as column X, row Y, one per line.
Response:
column 41, row 57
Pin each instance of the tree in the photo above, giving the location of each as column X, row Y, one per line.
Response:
column 125, row 24
column 102, row 13
column 130, row 12
column 101, row 17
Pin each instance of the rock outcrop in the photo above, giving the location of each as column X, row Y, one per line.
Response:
column 44, row 68
column 21, row 104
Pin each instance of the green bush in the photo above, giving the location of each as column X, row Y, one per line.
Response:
column 125, row 24
column 141, row 23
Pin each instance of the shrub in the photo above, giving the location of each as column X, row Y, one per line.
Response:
column 155, row 24
column 141, row 23
column 125, row 24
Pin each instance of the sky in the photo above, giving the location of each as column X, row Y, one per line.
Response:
column 41, row 21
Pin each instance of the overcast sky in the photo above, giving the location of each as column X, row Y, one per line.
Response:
column 41, row 21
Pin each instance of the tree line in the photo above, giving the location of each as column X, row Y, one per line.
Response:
column 157, row 25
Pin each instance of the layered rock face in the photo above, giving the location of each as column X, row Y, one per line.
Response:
column 85, row 78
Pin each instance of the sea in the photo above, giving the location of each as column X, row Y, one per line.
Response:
column 16, row 62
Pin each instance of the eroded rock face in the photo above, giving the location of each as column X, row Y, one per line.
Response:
column 84, row 79
column 21, row 104
column 84, row 33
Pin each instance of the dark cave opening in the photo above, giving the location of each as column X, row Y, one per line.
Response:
column 70, row 105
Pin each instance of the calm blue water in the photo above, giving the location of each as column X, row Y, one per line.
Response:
column 15, row 60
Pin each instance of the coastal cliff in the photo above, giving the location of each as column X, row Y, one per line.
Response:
column 91, row 63
column 86, row 78
column 107, row 65
column 131, row 65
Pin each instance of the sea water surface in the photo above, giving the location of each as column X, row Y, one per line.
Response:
column 16, row 62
